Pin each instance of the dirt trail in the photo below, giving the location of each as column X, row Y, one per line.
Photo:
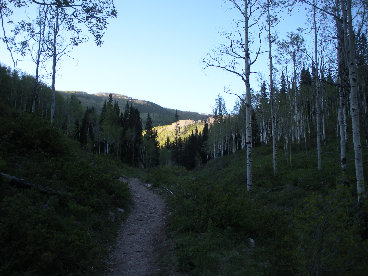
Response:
column 142, row 236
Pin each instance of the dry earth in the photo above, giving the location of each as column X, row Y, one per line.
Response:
column 142, row 238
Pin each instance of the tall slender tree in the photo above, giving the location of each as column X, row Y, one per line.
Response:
column 272, row 96
column 317, row 89
column 354, row 105
column 235, row 58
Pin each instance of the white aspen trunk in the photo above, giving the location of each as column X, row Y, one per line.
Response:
column 221, row 140
column 248, row 99
column 341, row 106
column 272, row 100
column 322, row 94
column 290, row 161
column 228, row 144
column 345, row 113
column 324, row 138
column 354, row 106
column 243, row 140
column 54, row 60
column 337, row 122
column 214, row 150
column 363, row 111
column 317, row 87
column 286, row 150
column 42, row 26
column 296, row 113
column 263, row 128
column 234, row 142
column 342, row 128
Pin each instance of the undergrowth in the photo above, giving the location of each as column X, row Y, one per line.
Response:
column 68, row 230
column 299, row 222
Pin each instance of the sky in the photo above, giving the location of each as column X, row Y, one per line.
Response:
column 154, row 50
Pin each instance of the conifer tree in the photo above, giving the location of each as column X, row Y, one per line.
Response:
column 150, row 147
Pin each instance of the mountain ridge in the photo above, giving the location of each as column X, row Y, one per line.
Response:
column 160, row 115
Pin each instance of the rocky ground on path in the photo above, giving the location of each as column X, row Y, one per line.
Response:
column 141, row 239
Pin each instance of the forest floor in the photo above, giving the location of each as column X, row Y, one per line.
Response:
column 141, row 241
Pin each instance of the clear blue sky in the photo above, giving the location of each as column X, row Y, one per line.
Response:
column 153, row 51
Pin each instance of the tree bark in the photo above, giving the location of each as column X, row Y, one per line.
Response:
column 317, row 87
column 248, row 99
column 354, row 105
column 54, row 60
column 272, row 100
column 42, row 26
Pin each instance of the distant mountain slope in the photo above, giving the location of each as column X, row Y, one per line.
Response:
column 186, row 127
column 159, row 114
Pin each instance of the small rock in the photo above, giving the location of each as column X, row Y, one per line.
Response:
column 121, row 210
column 124, row 179
column 252, row 243
column 112, row 216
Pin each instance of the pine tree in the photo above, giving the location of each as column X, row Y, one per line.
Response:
column 150, row 147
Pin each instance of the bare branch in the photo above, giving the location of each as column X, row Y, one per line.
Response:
column 319, row 8
column 227, row 91
column 225, row 68
column 238, row 7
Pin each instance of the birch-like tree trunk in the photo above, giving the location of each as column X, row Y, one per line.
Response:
column 54, row 60
column 296, row 111
column 342, row 103
column 323, row 113
column 41, row 37
column 248, row 98
column 317, row 87
column 272, row 98
column 363, row 110
column 354, row 105
column 235, row 59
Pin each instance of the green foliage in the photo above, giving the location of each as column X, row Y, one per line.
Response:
column 63, row 233
column 328, row 231
column 150, row 148
column 302, row 221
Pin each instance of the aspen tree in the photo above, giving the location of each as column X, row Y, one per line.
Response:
column 248, row 98
column 93, row 14
column 354, row 105
column 238, row 62
column 317, row 88
column 341, row 83
column 272, row 97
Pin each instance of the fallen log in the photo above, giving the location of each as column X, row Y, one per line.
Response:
column 21, row 182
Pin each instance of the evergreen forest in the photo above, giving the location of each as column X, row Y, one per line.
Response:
column 275, row 185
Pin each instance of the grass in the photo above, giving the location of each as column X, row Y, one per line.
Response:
column 302, row 221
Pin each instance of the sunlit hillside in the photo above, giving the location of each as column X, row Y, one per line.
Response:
column 185, row 129
column 159, row 114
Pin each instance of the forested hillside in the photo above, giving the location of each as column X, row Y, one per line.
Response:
column 60, row 206
column 183, row 128
column 160, row 115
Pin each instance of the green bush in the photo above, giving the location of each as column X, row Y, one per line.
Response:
column 65, row 231
column 213, row 216
column 329, row 235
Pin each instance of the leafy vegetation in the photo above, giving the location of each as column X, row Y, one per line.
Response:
column 292, row 217
column 68, row 229
column 299, row 222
